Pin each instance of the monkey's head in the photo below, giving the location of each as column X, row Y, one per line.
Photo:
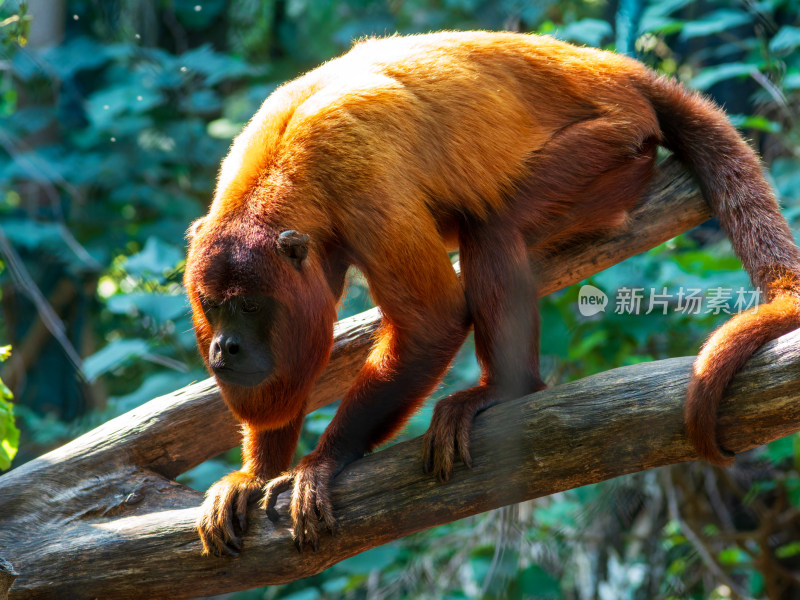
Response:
column 263, row 314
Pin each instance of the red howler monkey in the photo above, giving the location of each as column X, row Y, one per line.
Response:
column 386, row 157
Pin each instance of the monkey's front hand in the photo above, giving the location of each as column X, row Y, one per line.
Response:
column 310, row 507
column 225, row 500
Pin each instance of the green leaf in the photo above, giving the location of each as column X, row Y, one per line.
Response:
column 716, row 22
column 756, row 582
column 587, row 31
column 664, row 8
column 558, row 514
column 306, row 594
column 154, row 386
column 203, row 101
column 780, row 450
column 535, row 582
column 161, row 307
column 376, row 559
column 713, row 75
column 555, row 331
column 757, row 122
column 662, row 25
column 786, row 40
column 792, row 80
column 214, row 66
column 732, row 556
column 588, row 343
column 224, row 129
column 792, row 486
column 155, row 259
column 78, row 54
column 335, row 585
column 9, row 434
column 788, row 550
column 106, row 105
column 5, row 393
column 786, row 172
column 113, row 356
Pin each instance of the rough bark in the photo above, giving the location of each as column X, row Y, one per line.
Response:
column 101, row 516
column 128, row 533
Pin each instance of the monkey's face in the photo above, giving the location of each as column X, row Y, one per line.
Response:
column 263, row 315
column 239, row 351
column 235, row 275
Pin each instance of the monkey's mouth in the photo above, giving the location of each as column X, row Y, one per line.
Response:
column 243, row 378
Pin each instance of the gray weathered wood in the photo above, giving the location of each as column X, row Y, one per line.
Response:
column 102, row 517
column 617, row 422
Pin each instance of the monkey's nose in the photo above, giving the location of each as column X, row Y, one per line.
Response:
column 224, row 347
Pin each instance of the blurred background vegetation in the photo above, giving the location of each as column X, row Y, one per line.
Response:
column 114, row 116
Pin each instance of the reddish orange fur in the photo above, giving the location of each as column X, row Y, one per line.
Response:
column 726, row 351
column 387, row 156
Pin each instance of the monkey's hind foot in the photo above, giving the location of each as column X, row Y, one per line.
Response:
column 448, row 435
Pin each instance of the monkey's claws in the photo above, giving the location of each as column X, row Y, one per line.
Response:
column 310, row 508
column 448, row 436
column 272, row 490
column 224, row 513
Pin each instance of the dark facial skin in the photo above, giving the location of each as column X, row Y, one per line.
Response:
column 239, row 352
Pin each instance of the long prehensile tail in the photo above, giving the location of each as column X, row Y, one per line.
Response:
column 730, row 176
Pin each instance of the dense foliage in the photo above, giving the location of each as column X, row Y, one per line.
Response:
column 111, row 133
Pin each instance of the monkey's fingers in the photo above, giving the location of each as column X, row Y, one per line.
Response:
column 448, row 437
column 240, row 508
column 439, row 452
column 324, row 507
column 434, row 452
column 215, row 527
column 311, row 507
column 272, row 490
column 224, row 511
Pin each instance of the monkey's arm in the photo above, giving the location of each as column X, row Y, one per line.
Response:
column 424, row 322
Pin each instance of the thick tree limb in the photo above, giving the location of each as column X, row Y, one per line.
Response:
column 101, row 517
column 617, row 422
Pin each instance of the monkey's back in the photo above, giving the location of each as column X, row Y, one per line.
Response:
column 446, row 122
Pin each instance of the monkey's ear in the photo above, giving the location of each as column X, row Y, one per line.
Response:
column 293, row 247
column 194, row 228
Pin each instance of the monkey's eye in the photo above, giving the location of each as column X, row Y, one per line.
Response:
column 208, row 304
column 249, row 306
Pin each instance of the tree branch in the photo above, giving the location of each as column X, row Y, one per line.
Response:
column 108, row 498
column 617, row 422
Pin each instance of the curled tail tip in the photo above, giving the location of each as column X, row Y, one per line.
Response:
column 721, row 458
column 700, row 417
column 711, row 452
column 726, row 352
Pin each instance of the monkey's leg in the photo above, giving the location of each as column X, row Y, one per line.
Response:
column 502, row 300
column 425, row 321
column 265, row 454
